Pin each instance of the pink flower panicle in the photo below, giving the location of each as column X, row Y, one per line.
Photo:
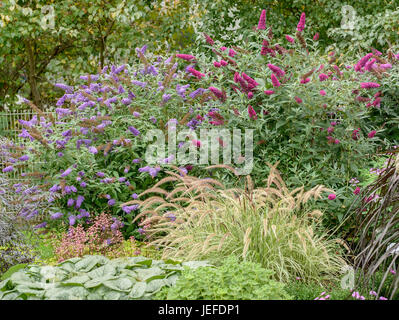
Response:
column 196, row 73
column 372, row 134
column 217, row 119
column 301, row 24
column 219, row 94
column 187, row 57
column 251, row 82
column 323, row 77
column 369, row 85
column 298, row 100
column 262, row 20
column 208, row 39
column 289, row 39
column 355, row 134
column 252, row 113
column 275, row 81
column 362, row 62
column 232, row 53
column 276, row 70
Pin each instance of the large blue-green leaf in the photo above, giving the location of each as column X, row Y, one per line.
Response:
column 77, row 280
column 89, row 262
column 138, row 290
column 144, row 274
column 120, row 284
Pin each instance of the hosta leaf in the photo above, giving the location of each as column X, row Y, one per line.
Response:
column 11, row 295
column 107, row 270
column 139, row 261
column 89, row 262
column 155, row 285
column 29, row 291
column 112, row 295
column 121, row 284
column 67, row 293
column 170, row 281
column 48, row 272
column 94, row 296
column 144, row 274
column 129, row 273
column 77, row 280
column 97, row 282
column 67, row 266
column 161, row 276
column 20, row 277
column 138, row 290
column 72, row 260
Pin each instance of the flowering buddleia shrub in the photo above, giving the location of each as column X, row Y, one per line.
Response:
column 88, row 154
column 320, row 115
column 309, row 111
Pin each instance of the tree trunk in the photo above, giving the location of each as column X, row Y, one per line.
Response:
column 32, row 73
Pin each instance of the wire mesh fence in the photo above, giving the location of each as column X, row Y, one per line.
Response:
column 10, row 129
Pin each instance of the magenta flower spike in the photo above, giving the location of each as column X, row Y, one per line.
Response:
column 262, row 20
column 275, row 81
column 301, row 24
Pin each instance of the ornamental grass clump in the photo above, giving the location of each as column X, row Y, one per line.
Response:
column 375, row 220
column 200, row 219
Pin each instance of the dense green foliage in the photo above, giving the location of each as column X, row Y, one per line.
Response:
column 233, row 280
column 35, row 48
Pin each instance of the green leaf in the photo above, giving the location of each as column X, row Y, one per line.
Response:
column 107, row 270
column 76, row 281
column 12, row 270
column 67, row 266
column 144, row 274
column 89, row 262
column 67, row 293
column 121, row 284
column 155, row 285
column 112, row 295
column 138, row 290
